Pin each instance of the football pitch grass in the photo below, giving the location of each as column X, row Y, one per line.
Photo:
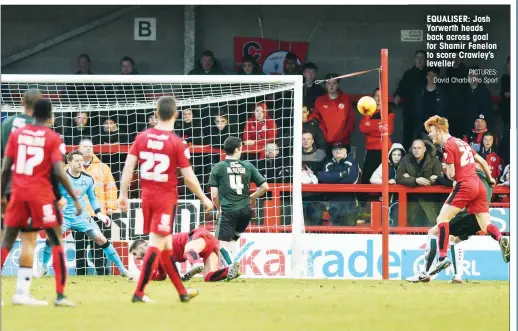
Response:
column 103, row 304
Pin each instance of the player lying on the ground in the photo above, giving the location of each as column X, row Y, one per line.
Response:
column 83, row 185
column 160, row 153
column 191, row 246
column 230, row 191
column 462, row 227
column 34, row 152
column 469, row 191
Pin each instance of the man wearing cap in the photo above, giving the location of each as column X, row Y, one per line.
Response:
column 311, row 90
column 478, row 101
column 474, row 138
column 335, row 113
column 341, row 169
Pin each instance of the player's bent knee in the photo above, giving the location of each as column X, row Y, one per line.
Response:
column 433, row 231
column 52, row 237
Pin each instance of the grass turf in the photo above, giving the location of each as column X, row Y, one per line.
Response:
column 265, row 305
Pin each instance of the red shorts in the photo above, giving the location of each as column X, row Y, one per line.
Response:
column 470, row 194
column 158, row 217
column 211, row 243
column 32, row 215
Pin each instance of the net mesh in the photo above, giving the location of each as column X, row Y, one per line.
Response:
column 108, row 116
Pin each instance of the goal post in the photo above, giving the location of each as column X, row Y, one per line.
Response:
column 127, row 103
column 385, row 199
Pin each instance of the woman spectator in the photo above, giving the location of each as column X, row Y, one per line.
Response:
column 396, row 153
column 260, row 129
column 488, row 152
column 249, row 66
column 370, row 126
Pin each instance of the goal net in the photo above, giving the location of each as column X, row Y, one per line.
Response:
column 101, row 115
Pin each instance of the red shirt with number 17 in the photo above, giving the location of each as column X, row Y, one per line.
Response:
column 34, row 149
column 461, row 155
column 159, row 155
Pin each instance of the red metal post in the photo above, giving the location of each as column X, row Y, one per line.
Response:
column 384, row 161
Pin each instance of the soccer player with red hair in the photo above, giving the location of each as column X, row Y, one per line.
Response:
column 469, row 192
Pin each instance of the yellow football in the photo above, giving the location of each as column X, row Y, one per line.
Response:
column 367, row 106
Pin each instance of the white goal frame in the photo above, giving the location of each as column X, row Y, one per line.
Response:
column 298, row 262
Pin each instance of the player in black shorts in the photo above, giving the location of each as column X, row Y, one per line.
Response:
column 230, row 189
column 462, row 226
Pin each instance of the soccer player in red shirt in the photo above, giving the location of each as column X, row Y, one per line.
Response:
column 469, row 191
column 191, row 246
column 34, row 151
column 159, row 152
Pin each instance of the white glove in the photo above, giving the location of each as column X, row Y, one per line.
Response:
column 105, row 219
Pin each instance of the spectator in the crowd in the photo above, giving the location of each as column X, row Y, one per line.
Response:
column 457, row 94
column 371, row 127
column 488, row 152
column 312, row 157
column 478, row 101
column 83, row 65
column 110, row 133
column 260, row 129
column 505, row 94
column 216, row 134
column 79, row 131
column 106, row 192
column 334, row 113
column 430, row 100
column 341, row 169
column 413, row 80
column 207, row 65
column 313, row 161
column 421, row 167
column 505, row 180
column 291, row 66
column 474, row 138
column 151, row 120
column 312, row 126
column 127, row 65
column 189, row 129
column 396, row 153
column 274, row 167
column 311, row 90
column 249, row 66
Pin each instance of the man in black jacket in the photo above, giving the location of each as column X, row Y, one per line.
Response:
column 431, row 100
column 478, row 102
column 313, row 127
column 413, row 79
column 311, row 90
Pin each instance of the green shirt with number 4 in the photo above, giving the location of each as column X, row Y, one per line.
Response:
column 232, row 178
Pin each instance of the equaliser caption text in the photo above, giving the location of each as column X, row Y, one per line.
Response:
column 452, row 36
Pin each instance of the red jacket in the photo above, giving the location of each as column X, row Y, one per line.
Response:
column 336, row 117
column 493, row 161
column 369, row 125
column 262, row 132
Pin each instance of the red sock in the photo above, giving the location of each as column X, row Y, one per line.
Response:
column 4, row 254
column 149, row 265
column 444, row 238
column 172, row 272
column 494, row 232
column 60, row 268
column 217, row 275
column 191, row 256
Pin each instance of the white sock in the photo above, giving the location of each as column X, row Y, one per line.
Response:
column 459, row 259
column 23, row 281
column 229, row 248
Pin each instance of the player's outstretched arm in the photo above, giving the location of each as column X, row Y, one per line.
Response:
column 214, row 194
column 194, row 185
column 59, row 173
column 96, row 206
column 483, row 164
column 127, row 176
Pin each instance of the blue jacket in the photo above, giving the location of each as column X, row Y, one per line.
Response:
column 345, row 171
